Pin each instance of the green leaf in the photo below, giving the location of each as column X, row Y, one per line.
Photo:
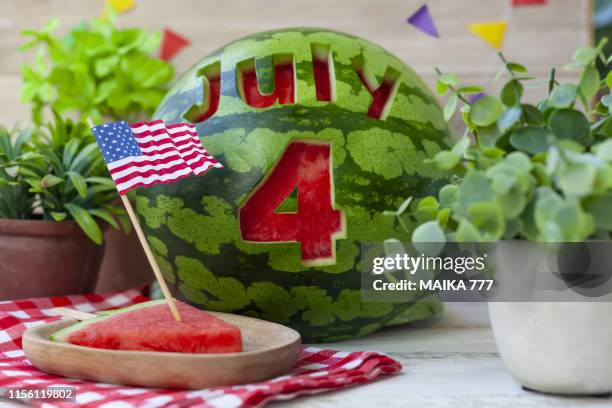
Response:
column 85, row 221
column 448, row 195
column 428, row 201
column 58, row 216
column 606, row 128
column 78, row 182
column 585, row 55
column 450, row 107
column 126, row 223
column 467, row 232
column 441, row 87
column 443, row 216
column 449, row 79
column 70, row 150
column 509, row 118
column 570, row 124
column 50, row 180
column 425, row 213
column 576, row 179
column 546, row 203
column 428, row 232
column 516, row 68
column 105, row 66
column 589, row 81
column 465, row 116
column 573, row 223
column 511, row 93
column 470, row 89
column 460, row 147
column 563, row 96
column 104, row 215
column 512, row 229
column 489, row 136
column 600, row 206
column 485, row 111
column 446, row 160
column 532, row 115
column 487, row 217
column 609, row 78
column 84, row 158
column 530, row 139
column 402, row 208
column 475, row 188
column 100, row 180
column 541, row 175
column 603, row 150
column 51, row 25
column 494, row 153
column 519, row 161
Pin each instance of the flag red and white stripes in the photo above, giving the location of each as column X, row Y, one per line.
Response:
column 147, row 153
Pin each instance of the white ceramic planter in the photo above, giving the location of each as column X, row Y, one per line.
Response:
column 560, row 348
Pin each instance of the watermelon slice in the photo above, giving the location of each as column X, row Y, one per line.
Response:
column 150, row 326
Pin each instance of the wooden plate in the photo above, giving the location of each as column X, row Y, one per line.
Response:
column 270, row 350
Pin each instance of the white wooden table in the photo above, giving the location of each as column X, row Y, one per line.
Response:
column 449, row 362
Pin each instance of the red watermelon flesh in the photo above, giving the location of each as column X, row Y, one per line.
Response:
column 304, row 166
column 154, row 329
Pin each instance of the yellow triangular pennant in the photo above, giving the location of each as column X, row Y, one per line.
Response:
column 491, row 32
column 120, row 6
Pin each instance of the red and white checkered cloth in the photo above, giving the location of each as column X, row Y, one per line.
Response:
column 317, row 370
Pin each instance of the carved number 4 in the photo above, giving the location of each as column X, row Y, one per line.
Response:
column 316, row 224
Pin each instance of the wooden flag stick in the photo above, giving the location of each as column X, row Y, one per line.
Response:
column 73, row 313
column 147, row 249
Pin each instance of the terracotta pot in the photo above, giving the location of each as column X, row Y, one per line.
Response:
column 125, row 265
column 46, row 258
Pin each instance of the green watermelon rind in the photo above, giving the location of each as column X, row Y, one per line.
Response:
column 195, row 219
column 63, row 334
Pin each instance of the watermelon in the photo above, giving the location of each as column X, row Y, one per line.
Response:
column 150, row 326
column 320, row 132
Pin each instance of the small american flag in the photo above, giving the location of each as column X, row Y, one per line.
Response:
column 148, row 153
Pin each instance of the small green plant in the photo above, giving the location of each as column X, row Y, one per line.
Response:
column 57, row 173
column 96, row 70
column 536, row 172
column 16, row 201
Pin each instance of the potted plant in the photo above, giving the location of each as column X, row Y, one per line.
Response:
column 101, row 71
column 55, row 203
column 540, row 173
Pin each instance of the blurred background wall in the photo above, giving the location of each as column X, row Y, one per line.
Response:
column 538, row 36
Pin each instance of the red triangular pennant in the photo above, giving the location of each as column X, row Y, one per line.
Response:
column 518, row 3
column 171, row 44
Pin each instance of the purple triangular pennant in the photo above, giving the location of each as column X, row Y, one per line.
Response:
column 474, row 97
column 422, row 20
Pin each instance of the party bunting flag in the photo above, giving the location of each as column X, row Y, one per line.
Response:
column 422, row 20
column 519, row 3
column 121, row 6
column 491, row 32
column 171, row 44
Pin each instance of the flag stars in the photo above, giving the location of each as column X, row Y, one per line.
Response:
column 116, row 142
